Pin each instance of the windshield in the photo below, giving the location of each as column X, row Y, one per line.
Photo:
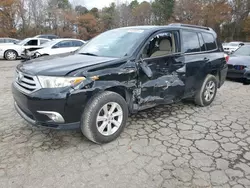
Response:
column 243, row 51
column 22, row 42
column 113, row 43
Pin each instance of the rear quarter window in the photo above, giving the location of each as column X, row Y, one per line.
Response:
column 210, row 41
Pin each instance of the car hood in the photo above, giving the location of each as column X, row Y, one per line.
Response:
column 239, row 60
column 60, row 65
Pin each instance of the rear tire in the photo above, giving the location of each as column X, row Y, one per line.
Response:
column 206, row 94
column 10, row 55
column 104, row 117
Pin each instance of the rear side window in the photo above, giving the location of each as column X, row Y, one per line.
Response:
column 210, row 41
column 190, row 42
column 64, row 44
column 77, row 43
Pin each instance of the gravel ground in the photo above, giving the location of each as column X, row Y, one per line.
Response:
column 170, row 146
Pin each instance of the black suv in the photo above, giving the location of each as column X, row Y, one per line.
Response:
column 119, row 72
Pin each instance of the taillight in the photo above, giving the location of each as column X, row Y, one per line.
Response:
column 226, row 57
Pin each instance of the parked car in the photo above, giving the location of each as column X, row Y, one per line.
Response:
column 13, row 51
column 8, row 41
column 119, row 72
column 48, row 36
column 239, row 64
column 58, row 46
column 232, row 46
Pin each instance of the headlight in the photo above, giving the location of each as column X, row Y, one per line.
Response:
column 57, row 82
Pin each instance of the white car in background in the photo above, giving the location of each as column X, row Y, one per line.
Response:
column 8, row 41
column 232, row 46
column 13, row 51
column 59, row 46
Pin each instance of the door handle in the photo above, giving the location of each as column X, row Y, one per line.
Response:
column 206, row 59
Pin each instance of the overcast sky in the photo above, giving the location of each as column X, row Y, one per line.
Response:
column 98, row 3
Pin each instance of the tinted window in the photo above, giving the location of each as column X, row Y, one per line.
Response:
column 77, row 43
column 52, row 37
column 64, row 44
column 202, row 43
column 32, row 43
column 190, row 42
column 2, row 41
column 210, row 41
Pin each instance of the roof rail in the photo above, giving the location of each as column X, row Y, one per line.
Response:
column 192, row 26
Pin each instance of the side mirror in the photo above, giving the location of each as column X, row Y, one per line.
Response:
column 145, row 68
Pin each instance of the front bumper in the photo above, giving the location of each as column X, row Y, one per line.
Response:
column 68, row 104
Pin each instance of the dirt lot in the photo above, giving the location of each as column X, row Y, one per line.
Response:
column 180, row 145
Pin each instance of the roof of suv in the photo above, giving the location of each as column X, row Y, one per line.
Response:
column 173, row 26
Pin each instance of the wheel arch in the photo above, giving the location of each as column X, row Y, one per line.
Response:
column 217, row 75
column 10, row 50
column 124, row 92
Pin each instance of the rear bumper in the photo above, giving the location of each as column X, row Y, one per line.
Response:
column 239, row 74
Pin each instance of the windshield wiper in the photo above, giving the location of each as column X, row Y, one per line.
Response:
column 89, row 54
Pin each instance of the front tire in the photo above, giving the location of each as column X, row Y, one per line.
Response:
column 104, row 117
column 206, row 94
column 10, row 55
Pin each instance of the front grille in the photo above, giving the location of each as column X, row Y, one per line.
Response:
column 26, row 83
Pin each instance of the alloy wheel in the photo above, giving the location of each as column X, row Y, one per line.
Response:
column 109, row 118
column 209, row 91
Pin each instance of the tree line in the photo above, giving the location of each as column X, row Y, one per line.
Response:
column 25, row 18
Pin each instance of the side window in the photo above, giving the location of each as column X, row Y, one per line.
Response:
column 202, row 43
column 77, row 43
column 43, row 41
column 63, row 44
column 190, row 42
column 210, row 41
column 32, row 43
column 11, row 40
column 161, row 44
column 2, row 41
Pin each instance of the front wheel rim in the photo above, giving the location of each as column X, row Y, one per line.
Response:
column 109, row 119
column 11, row 55
column 209, row 91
